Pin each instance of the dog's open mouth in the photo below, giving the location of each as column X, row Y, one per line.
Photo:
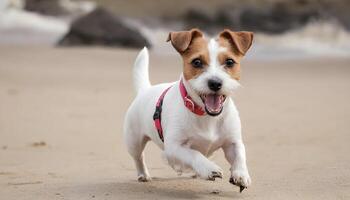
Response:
column 213, row 103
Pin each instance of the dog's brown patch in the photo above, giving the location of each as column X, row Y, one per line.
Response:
column 232, row 53
column 197, row 49
column 237, row 44
column 191, row 45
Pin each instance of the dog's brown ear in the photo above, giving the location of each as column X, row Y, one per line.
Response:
column 242, row 39
column 181, row 40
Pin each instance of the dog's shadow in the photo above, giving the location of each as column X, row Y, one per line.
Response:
column 162, row 188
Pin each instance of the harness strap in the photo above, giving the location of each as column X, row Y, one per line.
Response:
column 158, row 113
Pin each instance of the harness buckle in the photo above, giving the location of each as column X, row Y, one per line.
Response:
column 157, row 113
column 189, row 103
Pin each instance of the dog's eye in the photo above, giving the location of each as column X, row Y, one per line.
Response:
column 230, row 62
column 197, row 63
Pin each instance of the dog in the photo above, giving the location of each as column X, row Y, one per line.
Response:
column 193, row 117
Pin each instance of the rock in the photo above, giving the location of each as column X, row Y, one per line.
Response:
column 100, row 27
column 229, row 17
column 59, row 7
column 45, row 7
column 277, row 17
column 195, row 18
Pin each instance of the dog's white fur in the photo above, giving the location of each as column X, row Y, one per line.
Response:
column 189, row 139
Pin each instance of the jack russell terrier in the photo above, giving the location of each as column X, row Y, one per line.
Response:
column 191, row 118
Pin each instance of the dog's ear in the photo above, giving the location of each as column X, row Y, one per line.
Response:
column 181, row 40
column 242, row 40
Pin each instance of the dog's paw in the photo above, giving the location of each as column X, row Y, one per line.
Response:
column 143, row 178
column 210, row 171
column 240, row 178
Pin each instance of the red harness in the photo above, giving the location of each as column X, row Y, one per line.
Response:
column 188, row 102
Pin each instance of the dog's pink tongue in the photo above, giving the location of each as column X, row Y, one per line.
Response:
column 213, row 102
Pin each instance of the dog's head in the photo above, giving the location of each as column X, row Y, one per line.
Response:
column 212, row 67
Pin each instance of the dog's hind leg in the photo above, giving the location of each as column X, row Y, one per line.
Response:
column 136, row 144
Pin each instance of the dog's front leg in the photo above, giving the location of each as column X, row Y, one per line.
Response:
column 205, row 168
column 235, row 155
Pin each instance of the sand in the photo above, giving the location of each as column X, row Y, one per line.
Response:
column 61, row 116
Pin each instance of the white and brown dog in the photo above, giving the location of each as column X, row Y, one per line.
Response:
column 193, row 117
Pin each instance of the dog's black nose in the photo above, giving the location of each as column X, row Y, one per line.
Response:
column 214, row 84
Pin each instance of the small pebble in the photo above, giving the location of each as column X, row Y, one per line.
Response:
column 215, row 192
column 39, row 144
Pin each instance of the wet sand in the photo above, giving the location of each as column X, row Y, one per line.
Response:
column 61, row 115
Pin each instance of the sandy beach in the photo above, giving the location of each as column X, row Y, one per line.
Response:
column 62, row 110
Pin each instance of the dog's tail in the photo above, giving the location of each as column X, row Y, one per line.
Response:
column 140, row 71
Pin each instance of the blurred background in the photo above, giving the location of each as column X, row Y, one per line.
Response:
column 300, row 27
column 66, row 83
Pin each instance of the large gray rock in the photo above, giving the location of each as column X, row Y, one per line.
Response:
column 100, row 27
column 277, row 17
